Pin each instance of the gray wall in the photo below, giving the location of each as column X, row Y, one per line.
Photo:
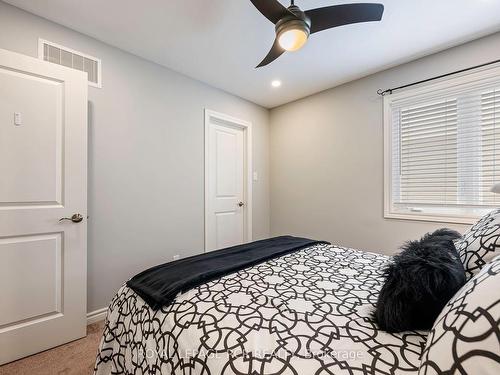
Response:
column 146, row 151
column 327, row 156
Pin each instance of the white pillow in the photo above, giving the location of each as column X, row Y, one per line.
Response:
column 465, row 338
column 480, row 244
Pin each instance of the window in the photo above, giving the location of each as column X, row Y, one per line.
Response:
column 442, row 149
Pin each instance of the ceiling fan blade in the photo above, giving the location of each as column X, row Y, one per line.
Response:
column 338, row 15
column 271, row 9
column 275, row 52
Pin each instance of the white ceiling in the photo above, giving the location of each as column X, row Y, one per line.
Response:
column 220, row 41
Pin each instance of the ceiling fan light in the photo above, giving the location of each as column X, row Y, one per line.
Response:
column 293, row 39
column 292, row 34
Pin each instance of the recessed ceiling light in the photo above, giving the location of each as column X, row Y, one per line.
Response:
column 276, row 83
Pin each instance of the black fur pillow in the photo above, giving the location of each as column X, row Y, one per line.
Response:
column 419, row 282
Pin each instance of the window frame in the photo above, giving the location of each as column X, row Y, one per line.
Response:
column 477, row 79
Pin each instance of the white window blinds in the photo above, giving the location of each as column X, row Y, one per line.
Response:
column 444, row 149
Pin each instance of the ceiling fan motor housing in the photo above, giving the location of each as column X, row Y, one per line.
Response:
column 295, row 19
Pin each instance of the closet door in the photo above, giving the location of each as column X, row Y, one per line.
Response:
column 227, row 181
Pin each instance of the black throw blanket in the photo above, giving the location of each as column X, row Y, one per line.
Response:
column 158, row 286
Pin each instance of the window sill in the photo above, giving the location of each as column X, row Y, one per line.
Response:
column 468, row 220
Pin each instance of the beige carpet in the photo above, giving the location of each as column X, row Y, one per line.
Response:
column 77, row 357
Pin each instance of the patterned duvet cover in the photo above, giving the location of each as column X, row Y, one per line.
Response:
column 304, row 313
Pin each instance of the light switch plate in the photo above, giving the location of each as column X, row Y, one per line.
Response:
column 18, row 119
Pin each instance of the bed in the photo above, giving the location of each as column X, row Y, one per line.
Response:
column 307, row 312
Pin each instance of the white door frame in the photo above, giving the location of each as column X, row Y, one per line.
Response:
column 246, row 126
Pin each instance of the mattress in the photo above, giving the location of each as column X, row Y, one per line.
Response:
column 307, row 312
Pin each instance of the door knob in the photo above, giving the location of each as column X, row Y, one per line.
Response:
column 241, row 204
column 76, row 218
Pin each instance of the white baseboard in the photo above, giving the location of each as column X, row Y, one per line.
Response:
column 96, row 316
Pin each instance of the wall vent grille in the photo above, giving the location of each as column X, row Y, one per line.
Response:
column 64, row 56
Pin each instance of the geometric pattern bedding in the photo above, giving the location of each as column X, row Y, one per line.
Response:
column 465, row 338
column 480, row 244
column 304, row 313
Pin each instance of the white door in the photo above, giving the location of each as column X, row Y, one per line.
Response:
column 227, row 191
column 43, row 177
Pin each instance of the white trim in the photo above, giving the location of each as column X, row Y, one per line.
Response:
column 433, row 218
column 247, row 128
column 387, row 158
column 96, row 316
column 477, row 79
column 98, row 85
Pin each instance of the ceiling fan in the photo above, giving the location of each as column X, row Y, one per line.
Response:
column 293, row 26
